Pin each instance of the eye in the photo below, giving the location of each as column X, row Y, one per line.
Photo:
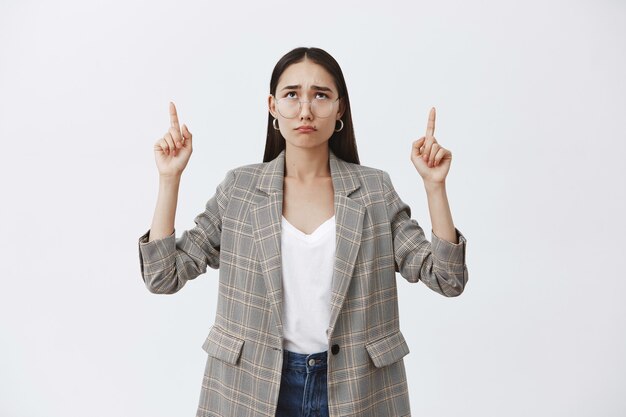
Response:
column 291, row 96
column 323, row 95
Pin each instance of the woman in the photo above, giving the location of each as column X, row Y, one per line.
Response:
column 307, row 243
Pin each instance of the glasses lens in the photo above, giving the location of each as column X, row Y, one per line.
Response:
column 288, row 107
column 322, row 107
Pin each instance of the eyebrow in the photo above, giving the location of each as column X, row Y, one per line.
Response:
column 313, row 87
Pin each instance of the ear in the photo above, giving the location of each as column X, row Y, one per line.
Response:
column 342, row 108
column 271, row 105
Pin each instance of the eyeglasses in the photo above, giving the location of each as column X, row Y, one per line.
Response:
column 290, row 107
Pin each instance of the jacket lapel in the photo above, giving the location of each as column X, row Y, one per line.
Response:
column 266, row 215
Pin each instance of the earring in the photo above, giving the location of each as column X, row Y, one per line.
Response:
column 339, row 130
column 275, row 124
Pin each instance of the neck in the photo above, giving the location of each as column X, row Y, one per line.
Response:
column 306, row 164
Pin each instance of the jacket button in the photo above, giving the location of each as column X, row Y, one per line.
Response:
column 335, row 349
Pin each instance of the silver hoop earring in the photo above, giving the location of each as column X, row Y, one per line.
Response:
column 275, row 125
column 339, row 130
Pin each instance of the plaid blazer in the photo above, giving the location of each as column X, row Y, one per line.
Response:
column 239, row 233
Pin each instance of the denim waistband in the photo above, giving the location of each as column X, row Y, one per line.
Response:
column 305, row 361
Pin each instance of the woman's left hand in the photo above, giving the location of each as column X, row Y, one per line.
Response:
column 431, row 160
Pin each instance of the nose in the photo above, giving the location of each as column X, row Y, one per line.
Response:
column 305, row 110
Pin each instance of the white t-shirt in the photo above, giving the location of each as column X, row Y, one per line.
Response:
column 307, row 265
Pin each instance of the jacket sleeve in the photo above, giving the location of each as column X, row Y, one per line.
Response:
column 440, row 264
column 168, row 263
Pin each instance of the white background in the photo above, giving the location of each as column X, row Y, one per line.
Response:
column 530, row 98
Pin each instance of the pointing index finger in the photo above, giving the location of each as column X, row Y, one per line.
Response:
column 174, row 117
column 430, row 128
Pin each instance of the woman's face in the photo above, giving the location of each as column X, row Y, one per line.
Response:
column 306, row 81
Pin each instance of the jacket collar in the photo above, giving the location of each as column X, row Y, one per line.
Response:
column 344, row 179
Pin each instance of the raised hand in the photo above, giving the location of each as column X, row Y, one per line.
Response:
column 431, row 160
column 173, row 150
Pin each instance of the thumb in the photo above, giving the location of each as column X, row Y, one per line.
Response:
column 418, row 144
column 186, row 134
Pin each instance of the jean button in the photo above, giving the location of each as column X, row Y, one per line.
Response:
column 311, row 362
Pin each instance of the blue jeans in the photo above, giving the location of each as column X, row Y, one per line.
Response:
column 303, row 385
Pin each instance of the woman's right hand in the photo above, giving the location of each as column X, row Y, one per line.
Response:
column 173, row 150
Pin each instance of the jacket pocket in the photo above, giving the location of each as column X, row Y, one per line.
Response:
column 388, row 349
column 222, row 345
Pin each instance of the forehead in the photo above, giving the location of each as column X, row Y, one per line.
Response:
column 306, row 73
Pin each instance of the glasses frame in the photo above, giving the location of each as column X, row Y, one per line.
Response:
column 300, row 107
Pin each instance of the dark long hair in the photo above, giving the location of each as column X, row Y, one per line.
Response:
column 342, row 143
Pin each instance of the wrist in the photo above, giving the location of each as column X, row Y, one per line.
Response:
column 432, row 186
column 170, row 179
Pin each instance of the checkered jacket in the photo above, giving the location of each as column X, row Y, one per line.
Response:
column 239, row 233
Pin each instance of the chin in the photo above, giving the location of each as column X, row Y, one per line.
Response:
column 306, row 142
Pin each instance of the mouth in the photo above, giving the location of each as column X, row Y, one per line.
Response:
column 305, row 129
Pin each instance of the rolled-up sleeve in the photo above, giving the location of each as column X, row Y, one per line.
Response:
column 439, row 264
column 166, row 264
